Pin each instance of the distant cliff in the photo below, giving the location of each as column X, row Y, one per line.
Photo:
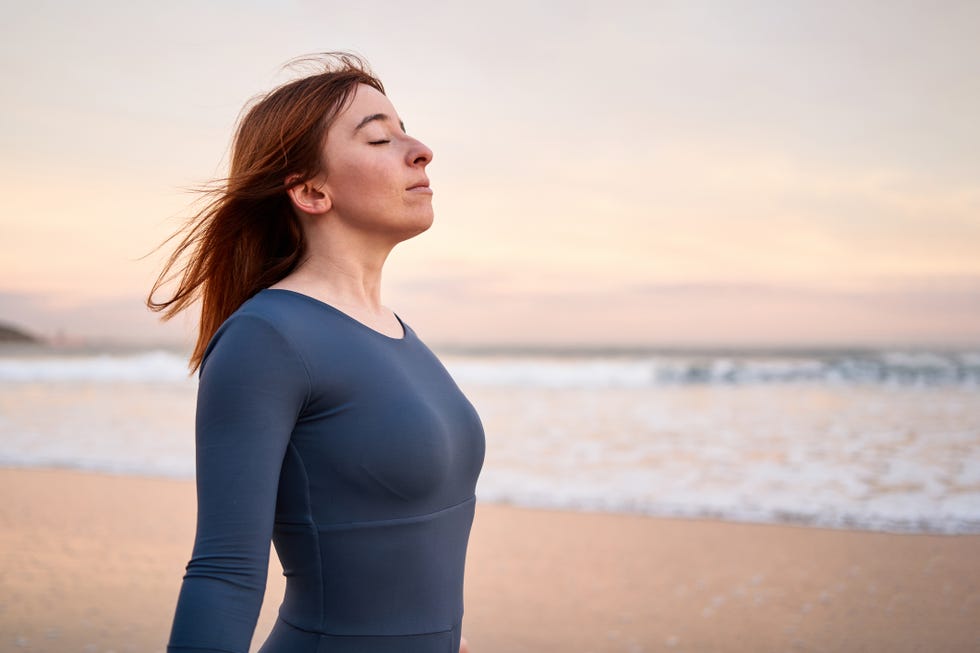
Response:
column 13, row 334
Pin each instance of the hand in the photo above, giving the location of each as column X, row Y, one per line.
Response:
column 464, row 646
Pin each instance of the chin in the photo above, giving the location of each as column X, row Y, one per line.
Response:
column 420, row 228
column 422, row 222
column 411, row 228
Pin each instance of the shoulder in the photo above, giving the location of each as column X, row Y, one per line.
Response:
column 258, row 329
column 256, row 316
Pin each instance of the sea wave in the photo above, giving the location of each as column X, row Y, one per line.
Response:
column 957, row 520
column 149, row 366
column 887, row 367
column 893, row 367
column 871, row 457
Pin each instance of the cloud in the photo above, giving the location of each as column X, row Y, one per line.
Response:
column 123, row 319
column 472, row 308
column 943, row 312
column 637, row 171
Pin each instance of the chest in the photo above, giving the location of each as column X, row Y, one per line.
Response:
column 387, row 428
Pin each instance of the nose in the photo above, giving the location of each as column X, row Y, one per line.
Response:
column 419, row 154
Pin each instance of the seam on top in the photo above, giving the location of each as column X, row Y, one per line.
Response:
column 450, row 629
column 316, row 537
column 320, row 302
column 296, row 353
column 381, row 522
column 316, row 532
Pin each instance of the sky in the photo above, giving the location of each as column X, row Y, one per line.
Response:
column 756, row 173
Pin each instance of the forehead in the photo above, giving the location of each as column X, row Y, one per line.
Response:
column 365, row 101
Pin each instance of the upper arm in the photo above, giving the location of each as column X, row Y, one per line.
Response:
column 252, row 390
column 253, row 386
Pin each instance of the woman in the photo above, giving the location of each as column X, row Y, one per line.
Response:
column 323, row 422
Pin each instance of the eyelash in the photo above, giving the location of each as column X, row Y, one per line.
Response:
column 378, row 142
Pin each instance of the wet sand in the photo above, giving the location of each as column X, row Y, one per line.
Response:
column 92, row 563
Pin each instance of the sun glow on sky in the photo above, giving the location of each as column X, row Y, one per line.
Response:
column 664, row 173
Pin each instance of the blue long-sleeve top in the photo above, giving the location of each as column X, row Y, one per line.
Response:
column 357, row 455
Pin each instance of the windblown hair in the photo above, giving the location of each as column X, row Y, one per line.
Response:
column 247, row 236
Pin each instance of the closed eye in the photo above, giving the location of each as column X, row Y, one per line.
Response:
column 378, row 142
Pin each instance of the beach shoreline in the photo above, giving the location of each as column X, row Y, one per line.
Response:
column 93, row 562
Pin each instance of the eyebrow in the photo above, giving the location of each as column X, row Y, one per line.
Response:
column 376, row 116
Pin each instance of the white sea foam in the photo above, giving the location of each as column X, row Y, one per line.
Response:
column 553, row 373
column 896, row 368
column 158, row 366
column 616, row 434
column 544, row 371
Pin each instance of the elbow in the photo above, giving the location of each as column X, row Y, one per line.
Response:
column 243, row 572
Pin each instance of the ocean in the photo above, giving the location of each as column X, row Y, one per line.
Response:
column 884, row 440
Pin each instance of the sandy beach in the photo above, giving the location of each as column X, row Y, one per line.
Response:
column 93, row 563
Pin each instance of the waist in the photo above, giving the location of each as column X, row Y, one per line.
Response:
column 287, row 638
column 394, row 577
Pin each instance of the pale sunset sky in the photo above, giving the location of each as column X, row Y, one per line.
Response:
column 755, row 173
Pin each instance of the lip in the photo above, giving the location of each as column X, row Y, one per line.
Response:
column 421, row 187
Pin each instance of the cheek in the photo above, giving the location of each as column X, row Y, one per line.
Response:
column 364, row 181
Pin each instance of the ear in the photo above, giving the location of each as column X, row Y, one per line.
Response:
column 306, row 196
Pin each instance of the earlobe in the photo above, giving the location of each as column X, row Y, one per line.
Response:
column 306, row 197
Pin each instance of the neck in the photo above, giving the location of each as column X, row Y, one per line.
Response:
column 344, row 267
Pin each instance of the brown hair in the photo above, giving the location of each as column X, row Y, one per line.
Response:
column 247, row 236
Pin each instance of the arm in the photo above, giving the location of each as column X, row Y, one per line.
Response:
column 253, row 386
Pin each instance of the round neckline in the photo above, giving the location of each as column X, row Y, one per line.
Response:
column 320, row 302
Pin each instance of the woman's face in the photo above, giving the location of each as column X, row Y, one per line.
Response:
column 375, row 172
